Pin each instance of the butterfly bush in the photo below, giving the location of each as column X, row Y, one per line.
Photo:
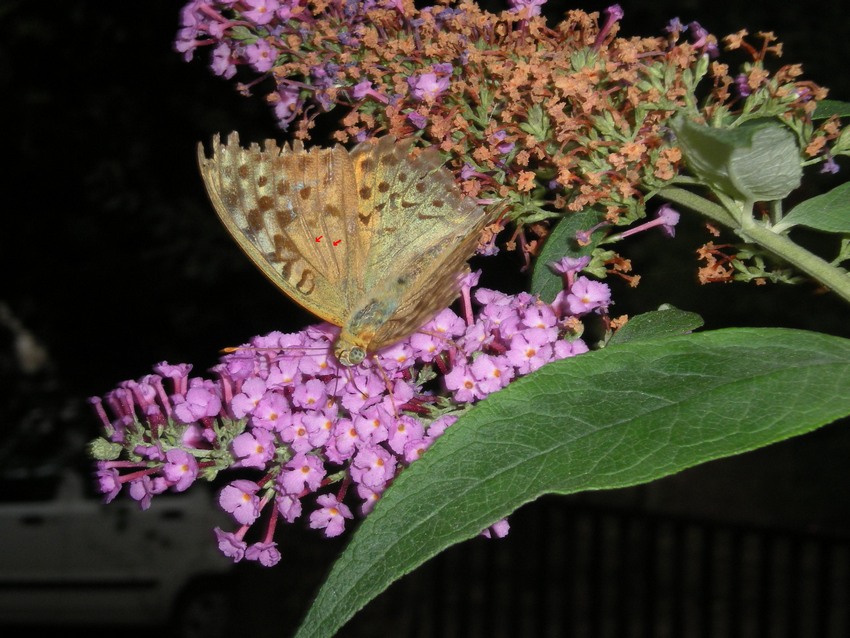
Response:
column 317, row 438
column 538, row 121
column 545, row 120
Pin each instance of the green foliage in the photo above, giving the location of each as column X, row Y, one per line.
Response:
column 757, row 161
column 828, row 108
column 829, row 212
column 613, row 418
column 664, row 322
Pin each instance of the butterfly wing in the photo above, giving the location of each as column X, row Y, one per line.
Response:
column 293, row 213
column 421, row 231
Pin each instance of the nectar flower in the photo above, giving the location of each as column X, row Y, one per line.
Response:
column 239, row 499
column 531, row 7
column 667, row 217
column 266, row 554
column 427, row 87
column 331, row 516
column 181, row 470
column 587, row 295
column 301, row 423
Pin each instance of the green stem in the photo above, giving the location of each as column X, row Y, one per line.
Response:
column 756, row 232
column 709, row 209
column 781, row 246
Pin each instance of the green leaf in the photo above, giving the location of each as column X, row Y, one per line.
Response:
column 829, row 212
column 612, row 418
column 755, row 162
column 537, row 123
column 828, row 108
column 664, row 322
column 561, row 242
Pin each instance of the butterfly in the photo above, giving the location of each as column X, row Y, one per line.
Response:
column 372, row 240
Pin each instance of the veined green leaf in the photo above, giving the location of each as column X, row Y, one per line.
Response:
column 612, row 418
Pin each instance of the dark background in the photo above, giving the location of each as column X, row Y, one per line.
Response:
column 112, row 258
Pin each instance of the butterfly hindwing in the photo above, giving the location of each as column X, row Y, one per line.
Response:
column 422, row 232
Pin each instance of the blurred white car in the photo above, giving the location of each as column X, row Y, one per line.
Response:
column 68, row 559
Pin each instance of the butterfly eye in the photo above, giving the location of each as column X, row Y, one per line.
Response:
column 350, row 356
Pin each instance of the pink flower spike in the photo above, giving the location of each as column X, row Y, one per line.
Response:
column 331, row 516
column 403, row 430
column 311, row 395
column 178, row 373
column 529, row 7
column 569, row 265
column 613, row 14
column 427, row 87
column 253, row 449
column 108, row 482
column 426, row 347
column 295, row 432
column 223, row 62
column 372, row 425
column 284, row 373
column 289, row 507
column 564, row 348
column 239, row 499
column 526, row 355
column 491, row 373
column 271, row 412
column 181, row 470
column 461, row 382
column 415, row 448
column 199, row 402
column 319, row 427
column 417, row 119
column 244, row 403
column 370, row 499
column 365, row 389
column 260, row 55
column 260, row 12
column 266, row 554
column 539, row 316
column 140, row 490
column 447, row 323
column 587, row 295
column 398, row 356
column 365, row 89
column 373, row 467
column 302, row 472
column 230, row 544
column 345, row 439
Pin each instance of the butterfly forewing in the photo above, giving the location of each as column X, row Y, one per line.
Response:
column 290, row 212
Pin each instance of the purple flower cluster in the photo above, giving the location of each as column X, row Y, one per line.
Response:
column 252, row 34
column 283, row 408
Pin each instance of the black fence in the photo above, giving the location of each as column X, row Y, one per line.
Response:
column 574, row 570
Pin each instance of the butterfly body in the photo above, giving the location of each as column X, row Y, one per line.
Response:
column 372, row 240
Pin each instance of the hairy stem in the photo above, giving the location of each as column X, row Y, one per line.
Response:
column 758, row 233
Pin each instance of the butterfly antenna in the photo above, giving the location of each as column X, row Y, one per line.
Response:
column 387, row 383
column 281, row 349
